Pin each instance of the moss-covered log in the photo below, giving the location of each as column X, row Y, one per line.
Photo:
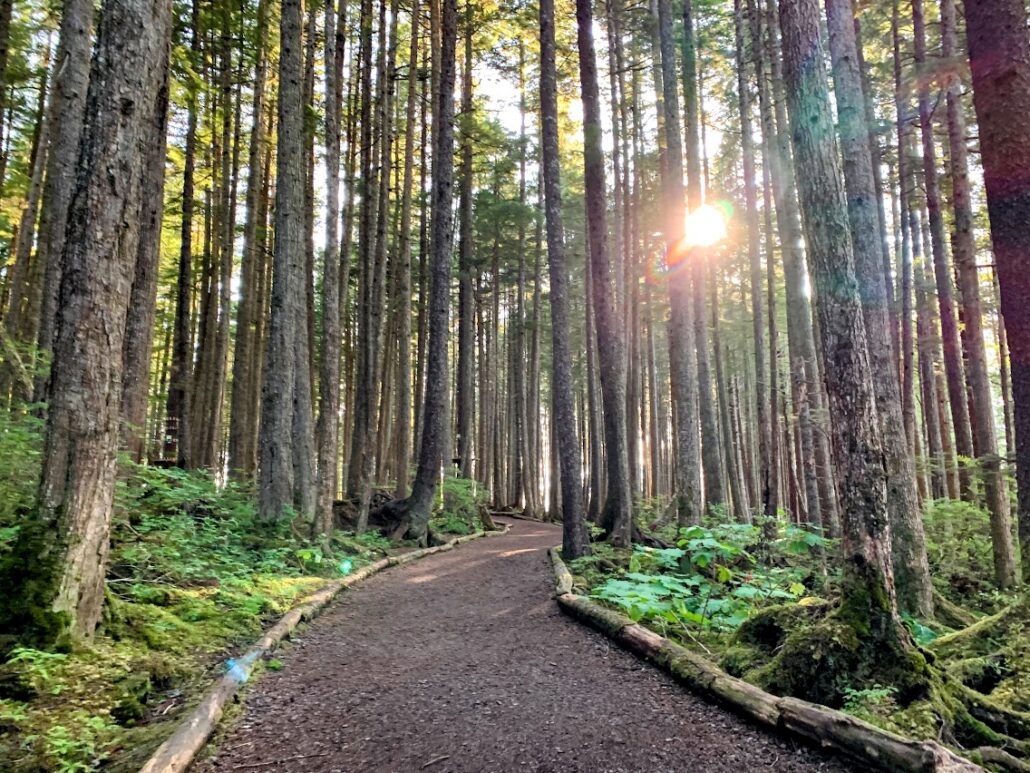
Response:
column 815, row 723
column 177, row 752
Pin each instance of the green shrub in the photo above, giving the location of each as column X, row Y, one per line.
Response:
column 958, row 546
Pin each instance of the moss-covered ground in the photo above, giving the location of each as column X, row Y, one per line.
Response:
column 193, row 580
column 770, row 612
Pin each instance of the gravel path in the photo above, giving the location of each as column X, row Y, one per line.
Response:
column 463, row 662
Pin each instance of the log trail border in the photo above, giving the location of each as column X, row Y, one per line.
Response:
column 179, row 750
column 829, row 728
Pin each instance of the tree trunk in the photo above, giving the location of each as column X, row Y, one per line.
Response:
column 942, row 270
column 61, row 555
column 575, row 541
column 466, row 320
column 178, row 431
column 329, row 366
column 908, row 543
column 139, row 329
column 682, row 351
column 403, row 437
column 67, row 108
column 985, row 441
column 999, row 53
column 277, row 493
column 867, row 585
column 617, row 517
column 435, row 410
column 242, row 420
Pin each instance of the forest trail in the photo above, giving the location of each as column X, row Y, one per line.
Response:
column 463, row 662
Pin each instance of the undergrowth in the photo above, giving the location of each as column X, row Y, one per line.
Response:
column 193, row 578
column 702, row 589
column 724, row 591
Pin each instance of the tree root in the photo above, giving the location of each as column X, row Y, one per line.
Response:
column 951, row 614
column 824, row 655
column 643, row 538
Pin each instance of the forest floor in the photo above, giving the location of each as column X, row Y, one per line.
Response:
column 463, row 662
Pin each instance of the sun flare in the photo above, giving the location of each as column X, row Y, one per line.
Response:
column 704, row 227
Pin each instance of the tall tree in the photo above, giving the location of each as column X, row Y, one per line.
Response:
column 178, row 406
column 464, row 397
column 941, row 265
column 60, row 559
column 682, row 351
column 435, row 411
column 908, row 543
column 329, row 381
column 71, row 79
column 575, row 541
column 867, row 591
column 985, row 440
column 617, row 516
column 999, row 55
column 278, row 490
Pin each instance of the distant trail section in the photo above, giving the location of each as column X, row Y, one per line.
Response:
column 463, row 662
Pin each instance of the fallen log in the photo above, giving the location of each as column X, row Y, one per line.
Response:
column 817, row 724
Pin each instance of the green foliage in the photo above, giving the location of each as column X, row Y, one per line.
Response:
column 75, row 749
column 710, row 580
column 35, row 669
column 21, row 441
column 872, row 702
column 464, row 502
column 958, row 545
column 192, row 576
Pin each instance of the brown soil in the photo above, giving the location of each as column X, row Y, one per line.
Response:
column 463, row 662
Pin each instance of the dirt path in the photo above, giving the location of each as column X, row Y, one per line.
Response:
column 463, row 662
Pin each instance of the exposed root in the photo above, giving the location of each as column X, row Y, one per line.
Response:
column 821, row 654
column 951, row 614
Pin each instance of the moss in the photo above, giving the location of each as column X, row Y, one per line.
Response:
column 738, row 659
column 820, row 657
column 33, row 565
column 768, row 629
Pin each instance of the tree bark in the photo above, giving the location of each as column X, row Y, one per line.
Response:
column 867, row 586
column 575, row 541
column 985, row 441
column 464, row 398
column 435, row 410
column 62, row 553
column 329, row 366
column 617, row 516
column 999, row 54
column 942, row 270
column 908, row 543
column 277, row 493
column 682, row 351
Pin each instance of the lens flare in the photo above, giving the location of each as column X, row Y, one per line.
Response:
column 704, row 227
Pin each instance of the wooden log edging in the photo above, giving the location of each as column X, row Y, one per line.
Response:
column 824, row 726
column 181, row 748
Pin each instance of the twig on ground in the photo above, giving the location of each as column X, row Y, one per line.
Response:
column 435, row 760
column 277, row 762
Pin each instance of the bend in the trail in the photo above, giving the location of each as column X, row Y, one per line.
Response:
column 463, row 662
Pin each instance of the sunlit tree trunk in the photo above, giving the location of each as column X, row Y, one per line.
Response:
column 617, row 516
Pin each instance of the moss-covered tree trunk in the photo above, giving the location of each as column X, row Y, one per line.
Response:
column 57, row 572
column 867, row 613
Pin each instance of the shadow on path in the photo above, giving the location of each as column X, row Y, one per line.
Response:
column 463, row 662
